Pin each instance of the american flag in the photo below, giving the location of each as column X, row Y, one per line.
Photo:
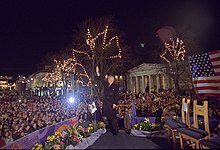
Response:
column 205, row 69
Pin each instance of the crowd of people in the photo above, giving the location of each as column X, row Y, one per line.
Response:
column 20, row 116
column 159, row 104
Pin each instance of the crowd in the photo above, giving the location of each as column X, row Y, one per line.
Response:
column 8, row 95
column 20, row 116
column 159, row 104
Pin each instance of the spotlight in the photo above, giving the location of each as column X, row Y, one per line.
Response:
column 71, row 100
column 19, row 100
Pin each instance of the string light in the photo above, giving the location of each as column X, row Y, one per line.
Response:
column 176, row 50
column 67, row 67
column 70, row 65
column 53, row 77
column 91, row 42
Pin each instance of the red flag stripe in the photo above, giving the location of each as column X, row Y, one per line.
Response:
column 216, row 66
column 206, row 81
column 215, row 59
column 214, row 55
column 209, row 94
column 207, row 88
column 214, row 52
column 217, row 73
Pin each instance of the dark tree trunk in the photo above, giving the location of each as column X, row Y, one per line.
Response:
column 176, row 78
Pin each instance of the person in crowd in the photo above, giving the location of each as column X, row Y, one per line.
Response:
column 8, row 137
column 98, row 113
column 127, row 118
column 2, row 141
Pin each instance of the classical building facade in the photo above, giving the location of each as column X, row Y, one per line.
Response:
column 36, row 85
column 147, row 78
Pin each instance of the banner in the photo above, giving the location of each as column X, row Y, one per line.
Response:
column 45, row 132
column 26, row 142
column 41, row 135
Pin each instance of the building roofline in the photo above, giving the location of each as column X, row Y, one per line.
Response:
column 143, row 64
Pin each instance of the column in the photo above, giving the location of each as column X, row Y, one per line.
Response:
column 143, row 84
column 169, row 79
column 150, row 84
column 164, row 83
column 136, row 85
column 158, row 82
column 131, row 85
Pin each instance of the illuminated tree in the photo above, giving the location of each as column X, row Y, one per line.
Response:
column 65, row 71
column 174, row 53
column 97, row 43
column 71, row 67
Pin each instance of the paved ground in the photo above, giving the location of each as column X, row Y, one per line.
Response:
column 126, row 141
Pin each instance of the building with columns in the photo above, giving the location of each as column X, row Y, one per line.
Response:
column 147, row 78
column 37, row 86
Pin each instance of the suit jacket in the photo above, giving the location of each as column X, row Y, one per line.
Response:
column 110, row 97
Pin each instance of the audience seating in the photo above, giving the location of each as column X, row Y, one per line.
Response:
column 173, row 125
column 195, row 135
column 210, row 144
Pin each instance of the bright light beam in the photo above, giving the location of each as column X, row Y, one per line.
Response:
column 71, row 100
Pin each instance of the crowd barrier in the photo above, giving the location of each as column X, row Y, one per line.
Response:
column 41, row 135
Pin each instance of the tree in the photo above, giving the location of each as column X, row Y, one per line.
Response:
column 179, row 70
column 97, row 43
column 174, row 53
column 65, row 71
column 47, row 63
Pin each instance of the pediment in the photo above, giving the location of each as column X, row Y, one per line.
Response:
column 146, row 66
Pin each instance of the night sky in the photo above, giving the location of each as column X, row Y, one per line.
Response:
column 29, row 29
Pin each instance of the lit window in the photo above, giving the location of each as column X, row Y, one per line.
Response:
column 120, row 77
